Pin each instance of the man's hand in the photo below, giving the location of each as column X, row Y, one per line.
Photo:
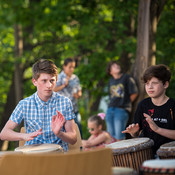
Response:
column 57, row 123
column 151, row 123
column 132, row 129
column 32, row 135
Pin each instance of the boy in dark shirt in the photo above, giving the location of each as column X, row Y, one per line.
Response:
column 122, row 92
column 154, row 117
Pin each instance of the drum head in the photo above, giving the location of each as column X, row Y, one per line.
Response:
column 122, row 171
column 167, row 163
column 159, row 166
column 131, row 145
column 40, row 148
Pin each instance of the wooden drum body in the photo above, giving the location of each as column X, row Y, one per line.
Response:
column 167, row 151
column 131, row 152
column 40, row 148
column 158, row 167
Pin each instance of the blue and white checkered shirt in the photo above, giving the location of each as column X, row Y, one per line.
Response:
column 38, row 114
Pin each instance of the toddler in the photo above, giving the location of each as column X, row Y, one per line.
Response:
column 99, row 137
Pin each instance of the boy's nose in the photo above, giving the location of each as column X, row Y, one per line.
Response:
column 150, row 85
column 49, row 84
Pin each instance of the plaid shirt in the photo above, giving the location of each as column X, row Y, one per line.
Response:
column 38, row 114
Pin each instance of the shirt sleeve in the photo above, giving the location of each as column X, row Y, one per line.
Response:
column 132, row 86
column 17, row 115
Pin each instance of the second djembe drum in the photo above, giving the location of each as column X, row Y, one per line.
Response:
column 167, row 151
column 131, row 152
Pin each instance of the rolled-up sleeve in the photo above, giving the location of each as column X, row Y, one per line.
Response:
column 17, row 115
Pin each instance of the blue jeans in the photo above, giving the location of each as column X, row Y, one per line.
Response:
column 116, row 120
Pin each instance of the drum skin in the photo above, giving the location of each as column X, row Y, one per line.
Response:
column 39, row 148
column 158, row 167
column 123, row 171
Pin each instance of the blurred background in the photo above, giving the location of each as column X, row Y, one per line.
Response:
column 137, row 33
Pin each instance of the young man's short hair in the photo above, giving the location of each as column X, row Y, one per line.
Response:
column 44, row 66
column 160, row 71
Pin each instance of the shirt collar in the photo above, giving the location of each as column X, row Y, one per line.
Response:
column 41, row 103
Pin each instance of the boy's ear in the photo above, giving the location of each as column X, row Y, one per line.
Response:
column 166, row 84
column 34, row 82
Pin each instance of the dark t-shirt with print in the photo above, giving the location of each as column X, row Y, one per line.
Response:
column 120, row 91
column 163, row 116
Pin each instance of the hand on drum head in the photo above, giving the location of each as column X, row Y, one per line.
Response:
column 57, row 122
column 32, row 135
column 151, row 123
column 132, row 129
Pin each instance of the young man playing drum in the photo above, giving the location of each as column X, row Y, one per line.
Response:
column 155, row 116
column 48, row 117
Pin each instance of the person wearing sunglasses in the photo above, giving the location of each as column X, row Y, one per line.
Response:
column 99, row 137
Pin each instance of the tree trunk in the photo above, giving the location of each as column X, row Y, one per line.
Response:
column 18, row 72
column 142, row 52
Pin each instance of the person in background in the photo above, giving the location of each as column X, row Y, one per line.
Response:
column 48, row 117
column 154, row 117
column 99, row 137
column 68, row 84
column 122, row 92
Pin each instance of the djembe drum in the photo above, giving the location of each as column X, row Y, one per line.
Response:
column 40, row 148
column 167, row 151
column 158, row 167
column 131, row 152
column 123, row 171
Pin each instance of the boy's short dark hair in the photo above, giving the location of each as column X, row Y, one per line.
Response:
column 44, row 66
column 108, row 68
column 160, row 71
